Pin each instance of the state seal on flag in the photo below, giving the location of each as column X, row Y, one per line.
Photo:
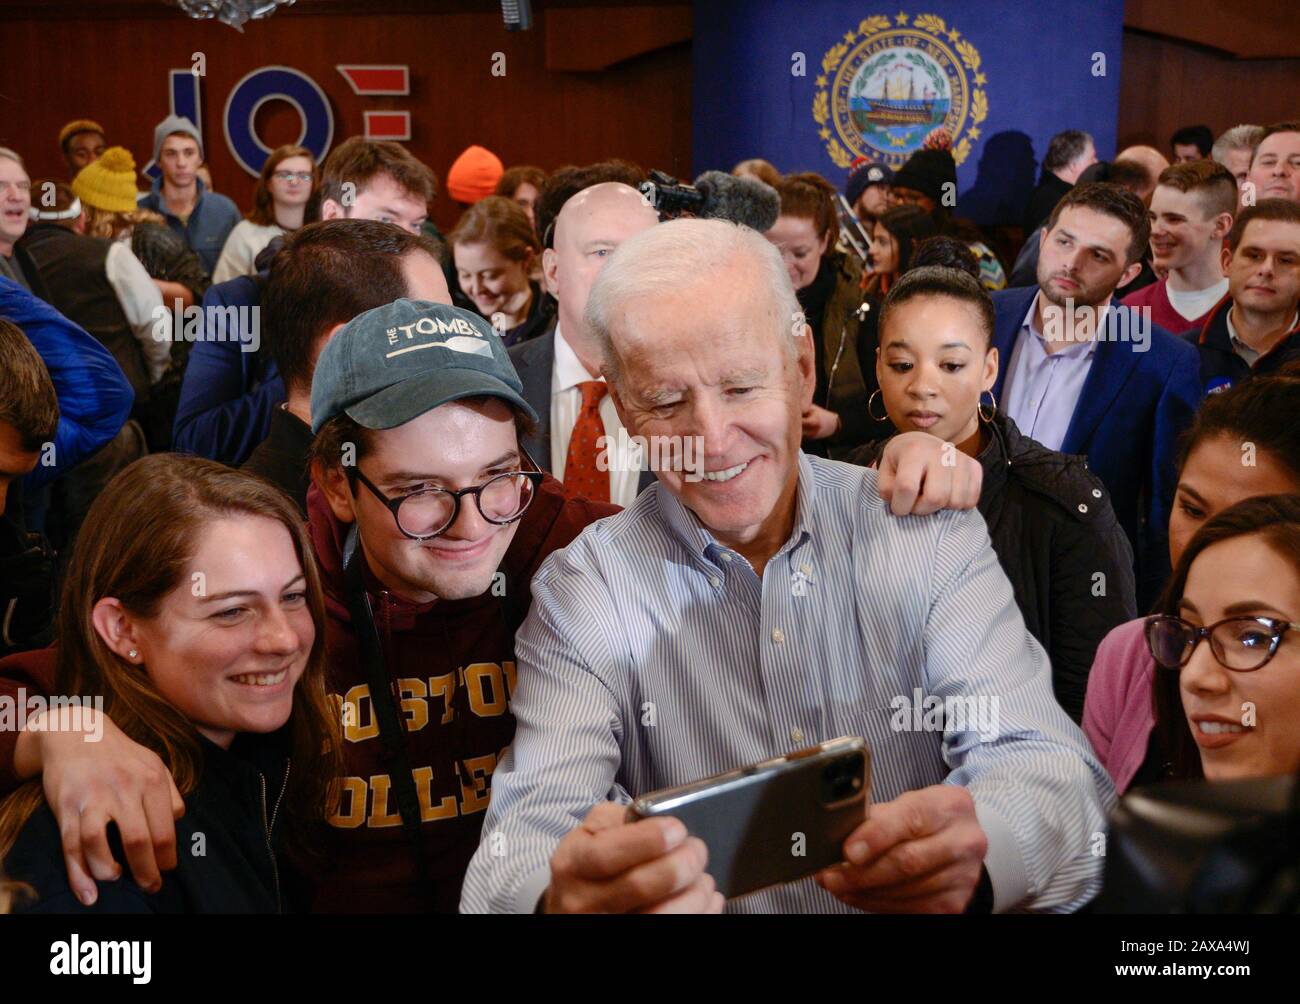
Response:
column 886, row 86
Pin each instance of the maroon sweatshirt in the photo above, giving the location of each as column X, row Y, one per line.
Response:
column 452, row 666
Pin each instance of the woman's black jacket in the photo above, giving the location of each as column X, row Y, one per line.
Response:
column 227, row 844
column 1055, row 534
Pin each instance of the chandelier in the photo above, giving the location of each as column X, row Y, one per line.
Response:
column 232, row 12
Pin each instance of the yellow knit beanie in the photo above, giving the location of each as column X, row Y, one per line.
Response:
column 108, row 183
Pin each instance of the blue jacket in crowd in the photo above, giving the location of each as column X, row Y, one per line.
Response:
column 1133, row 407
column 95, row 398
column 228, row 394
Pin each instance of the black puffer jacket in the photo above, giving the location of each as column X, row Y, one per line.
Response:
column 1057, row 539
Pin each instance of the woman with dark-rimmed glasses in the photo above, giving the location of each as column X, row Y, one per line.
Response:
column 1227, row 646
column 1243, row 443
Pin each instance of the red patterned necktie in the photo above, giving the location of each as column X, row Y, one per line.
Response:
column 581, row 475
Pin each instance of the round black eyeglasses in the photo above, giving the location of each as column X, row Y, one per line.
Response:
column 428, row 512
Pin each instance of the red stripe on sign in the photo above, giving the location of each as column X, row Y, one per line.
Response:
column 377, row 79
column 388, row 125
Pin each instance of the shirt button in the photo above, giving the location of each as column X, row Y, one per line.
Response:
column 715, row 582
column 778, row 636
column 1096, row 493
column 806, row 569
column 726, row 556
column 1082, row 507
column 796, row 735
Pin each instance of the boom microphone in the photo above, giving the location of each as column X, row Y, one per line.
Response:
column 715, row 196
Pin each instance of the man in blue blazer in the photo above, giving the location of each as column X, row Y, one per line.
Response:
column 1084, row 375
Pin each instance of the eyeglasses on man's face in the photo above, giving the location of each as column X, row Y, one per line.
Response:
column 292, row 176
column 1241, row 644
column 429, row 512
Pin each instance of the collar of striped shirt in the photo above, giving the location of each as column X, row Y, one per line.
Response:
column 688, row 528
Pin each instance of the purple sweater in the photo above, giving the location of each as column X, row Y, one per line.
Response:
column 1118, row 713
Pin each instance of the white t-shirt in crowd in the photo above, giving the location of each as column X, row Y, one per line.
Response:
column 1194, row 303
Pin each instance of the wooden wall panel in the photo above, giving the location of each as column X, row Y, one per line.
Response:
column 1166, row 84
column 111, row 63
column 1250, row 29
column 115, row 70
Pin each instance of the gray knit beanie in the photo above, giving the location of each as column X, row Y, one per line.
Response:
column 172, row 125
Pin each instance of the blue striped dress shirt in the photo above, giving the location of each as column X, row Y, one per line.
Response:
column 653, row 656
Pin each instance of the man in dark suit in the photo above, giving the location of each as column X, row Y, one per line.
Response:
column 560, row 370
column 1068, row 155
column 1083, row 375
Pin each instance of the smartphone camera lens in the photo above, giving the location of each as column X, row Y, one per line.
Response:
column 842, row 779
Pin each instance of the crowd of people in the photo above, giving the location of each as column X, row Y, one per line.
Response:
column 393, row 564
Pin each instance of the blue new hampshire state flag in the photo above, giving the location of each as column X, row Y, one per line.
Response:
column 811, row 85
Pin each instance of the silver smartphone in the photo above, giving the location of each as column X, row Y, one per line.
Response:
column 774, row 821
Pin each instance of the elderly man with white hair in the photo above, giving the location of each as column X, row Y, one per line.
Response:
column 771, row 604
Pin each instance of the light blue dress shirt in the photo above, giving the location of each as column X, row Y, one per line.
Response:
column 652, row 656
column 1043, row 388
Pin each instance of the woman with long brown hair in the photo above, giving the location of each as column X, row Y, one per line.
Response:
column 284, row 188
column 495, row 248
column 194, row 609
column 1237, row 448
column 1229, row 709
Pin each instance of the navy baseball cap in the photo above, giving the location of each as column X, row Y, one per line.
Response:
column 393, row 363
column 863, row 174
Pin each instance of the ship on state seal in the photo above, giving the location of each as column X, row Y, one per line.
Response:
column 894, row 106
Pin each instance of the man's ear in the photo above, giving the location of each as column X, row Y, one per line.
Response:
column 1225, row 258
column 806, row 363
column 1222, row 224
column 331, row 210
column 614, row 396
column 116, row 628
column 318, row 347
column 551, row 271
column 336, row 488
column 618, row 401
column 1129, row 274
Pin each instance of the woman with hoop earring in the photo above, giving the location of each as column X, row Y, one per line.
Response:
column 1050, row 520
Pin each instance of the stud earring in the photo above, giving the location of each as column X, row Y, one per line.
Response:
column 132, row 654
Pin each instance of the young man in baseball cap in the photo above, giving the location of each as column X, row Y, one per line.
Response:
column 429, row 522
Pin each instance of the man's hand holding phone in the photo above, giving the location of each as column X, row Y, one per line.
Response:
column 920, row 853
column 608, row 865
